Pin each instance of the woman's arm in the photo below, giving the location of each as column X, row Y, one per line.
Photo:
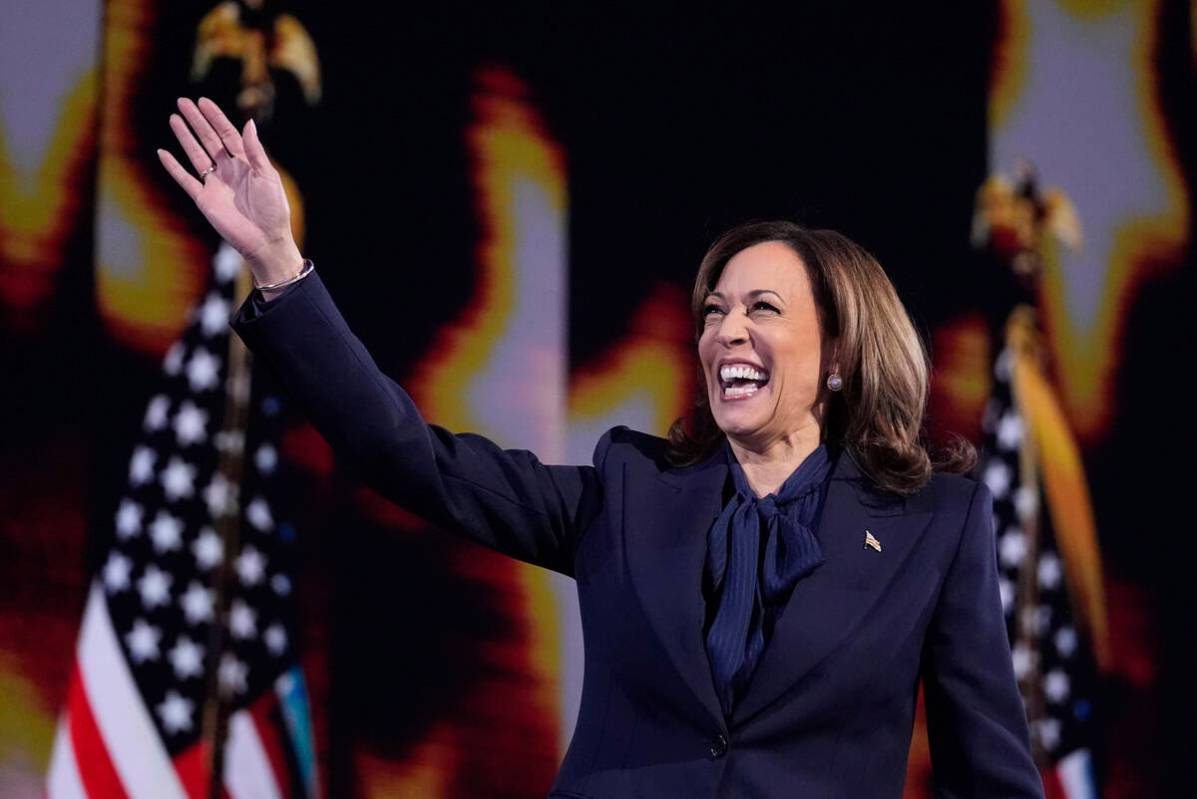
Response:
column 976, row 724
column 504, row 499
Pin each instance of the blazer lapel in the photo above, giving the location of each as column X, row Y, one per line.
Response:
column 828, row 605
column 666, row 550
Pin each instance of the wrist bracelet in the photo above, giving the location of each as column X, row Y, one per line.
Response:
column 308, row 266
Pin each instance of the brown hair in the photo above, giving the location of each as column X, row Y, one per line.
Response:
column 878, row 415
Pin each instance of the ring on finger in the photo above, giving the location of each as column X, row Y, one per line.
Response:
column 208, row 171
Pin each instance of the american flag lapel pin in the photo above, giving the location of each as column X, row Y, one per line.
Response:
column 870, row 541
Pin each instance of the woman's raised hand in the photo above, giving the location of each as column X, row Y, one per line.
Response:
column 243, row 198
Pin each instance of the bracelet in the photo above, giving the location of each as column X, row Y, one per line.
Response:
column 308, row 266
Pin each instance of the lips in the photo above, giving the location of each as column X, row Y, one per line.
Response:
column 739, row 380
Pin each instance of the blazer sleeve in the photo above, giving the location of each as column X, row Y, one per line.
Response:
column 505, row 499
column 976, row 724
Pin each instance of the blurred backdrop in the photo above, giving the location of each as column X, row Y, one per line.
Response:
column 509, row 207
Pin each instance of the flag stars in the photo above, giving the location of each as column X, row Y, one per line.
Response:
column 1013, row 547
column 227, row 263
column 213, row 314
column 220, row 495
column 191, row 424
column 250, row 566
column 1049, row 733
column 141, row 466
column 155, row 413
column 154, row 587
column 166, row 531
column 178, row 479
column 208, row 549
column 203, row 370
column 233, row 674
column 1023, row 659
column 1065, row 641
column 1049, row 570
column 1056, row 686
column 258, row 514
column 173, row 361
column 266, row 458
column 997, row 478
column 175, row 713
column 1006, row 589
column 243, row 621
column 276, row 639
column 187, row 658
column 1009, row 431
column 142, row 641
column 128, row 519
column 280, row 584
column 116, row 572
column 1026, row 502
column 197, row 603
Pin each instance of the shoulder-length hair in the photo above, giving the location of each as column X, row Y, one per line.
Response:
column 877, row 417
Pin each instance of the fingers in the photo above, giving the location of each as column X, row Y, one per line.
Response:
column 195, row 153
column 254, row 150
column 190, row 184
column 220, row 123
column 202, row 127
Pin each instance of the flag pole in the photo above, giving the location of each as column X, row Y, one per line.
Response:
column 231, row 445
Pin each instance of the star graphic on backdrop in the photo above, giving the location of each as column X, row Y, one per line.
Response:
column 227, row 263
column 281, row 584
column 1009, row 431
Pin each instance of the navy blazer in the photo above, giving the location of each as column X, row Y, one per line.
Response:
column 830, row 708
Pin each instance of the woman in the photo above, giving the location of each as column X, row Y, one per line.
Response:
column 788, row 552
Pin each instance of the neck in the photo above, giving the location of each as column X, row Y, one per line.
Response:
column 767, row 464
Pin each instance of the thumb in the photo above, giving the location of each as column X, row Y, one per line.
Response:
column 253, row 148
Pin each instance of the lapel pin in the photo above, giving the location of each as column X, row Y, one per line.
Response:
column 870, row 541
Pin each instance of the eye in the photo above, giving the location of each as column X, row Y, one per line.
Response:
column 709, row 309
column 763, row 304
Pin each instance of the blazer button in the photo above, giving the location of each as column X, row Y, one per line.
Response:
column 718, row 746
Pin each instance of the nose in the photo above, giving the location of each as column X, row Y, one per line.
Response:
column 733, row 329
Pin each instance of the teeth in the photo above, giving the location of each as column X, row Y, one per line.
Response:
column 740, row 391
column 741, row 371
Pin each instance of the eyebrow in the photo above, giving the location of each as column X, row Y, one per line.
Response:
column 751, row 294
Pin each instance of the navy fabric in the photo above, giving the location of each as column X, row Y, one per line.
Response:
column 831, row 705
column 757, row 549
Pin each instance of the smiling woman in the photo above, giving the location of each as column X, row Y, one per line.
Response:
column 834, row 568
column 803, row 340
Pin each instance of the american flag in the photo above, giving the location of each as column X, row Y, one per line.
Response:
column 159, row 686
column 1054, row 665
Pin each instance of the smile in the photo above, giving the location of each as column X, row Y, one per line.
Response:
column 741, row 381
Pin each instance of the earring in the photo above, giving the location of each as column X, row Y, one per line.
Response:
column 834, row 381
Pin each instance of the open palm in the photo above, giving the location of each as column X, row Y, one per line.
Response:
column 243, row 198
